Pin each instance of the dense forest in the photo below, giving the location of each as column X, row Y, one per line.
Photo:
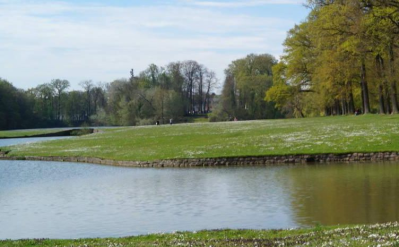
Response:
column 343, row 59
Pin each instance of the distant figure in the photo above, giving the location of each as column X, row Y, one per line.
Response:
column 171, row 121
column 157, row 122
column 357, row 112
column 235, row 119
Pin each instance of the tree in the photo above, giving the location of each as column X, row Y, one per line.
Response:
column 87, row 86
column 15, row 108
column 247, row 80
column 59, row 86
column 210, row 82
column 44, row 101
column 191, row 71
column 343, row 57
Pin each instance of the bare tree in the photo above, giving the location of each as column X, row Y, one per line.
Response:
column 87, row 86
column 190, row 72
column 210, row 82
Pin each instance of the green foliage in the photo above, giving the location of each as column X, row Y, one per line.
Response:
column 280, row 92
column 159, row 94
column 330, row 60
column 81, row 132
column 15, row 107
column 247, row 80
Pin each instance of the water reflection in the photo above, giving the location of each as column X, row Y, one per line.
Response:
column 69, row 200
column 16, row 141
column 344, row 194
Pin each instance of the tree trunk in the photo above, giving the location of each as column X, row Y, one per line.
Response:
column 326, row 113
column 351, row 101
column 380, row 73
column 394, row 96
column 381, row 99
column 300, row 112
column 162, row 110
column 337, row 108
column 344, row 109
column 190, row 109
column 387, row 99
column 365, row 90
column 59, row 107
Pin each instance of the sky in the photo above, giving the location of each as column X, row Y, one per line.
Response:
column 100, row 40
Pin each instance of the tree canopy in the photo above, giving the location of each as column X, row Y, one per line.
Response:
column 342, row 59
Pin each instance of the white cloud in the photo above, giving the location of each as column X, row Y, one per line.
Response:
column 42, row 41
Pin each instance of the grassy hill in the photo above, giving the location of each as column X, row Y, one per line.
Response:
column 370, row 133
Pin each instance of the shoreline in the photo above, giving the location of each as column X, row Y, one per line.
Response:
column 69, row 132
column 252, row 142
column 385, row 234
column 221, row 161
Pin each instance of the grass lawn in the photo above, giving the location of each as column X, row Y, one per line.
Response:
column 197, row 119
column 373, row 235
column 347, row 134
column 26, row 133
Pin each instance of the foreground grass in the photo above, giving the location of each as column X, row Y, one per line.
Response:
column 373, row 235
column 26, row 133
column 371, row 133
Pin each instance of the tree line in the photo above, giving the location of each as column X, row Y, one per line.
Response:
column 342, row 60
column 175, row 91
column 160, row 93
column 49, row 104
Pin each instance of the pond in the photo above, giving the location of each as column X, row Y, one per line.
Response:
column 16, row 141
column 70, row 200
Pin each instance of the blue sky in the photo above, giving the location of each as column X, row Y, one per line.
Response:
column 102, row 40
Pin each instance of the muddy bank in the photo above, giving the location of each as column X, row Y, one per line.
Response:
column 227, row 161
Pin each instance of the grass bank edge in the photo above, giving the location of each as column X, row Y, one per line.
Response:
column 355, row 235
column 4, row 134
column 229, row 140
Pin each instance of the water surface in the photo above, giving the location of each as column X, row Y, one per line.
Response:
column 16, row 141
column 70, row 200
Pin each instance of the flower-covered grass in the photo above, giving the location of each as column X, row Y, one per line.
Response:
column 347, row 134
column 364, row 235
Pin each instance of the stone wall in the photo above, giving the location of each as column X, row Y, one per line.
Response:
column 229, row 161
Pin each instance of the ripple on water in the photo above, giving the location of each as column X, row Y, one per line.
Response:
column 70, row 200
